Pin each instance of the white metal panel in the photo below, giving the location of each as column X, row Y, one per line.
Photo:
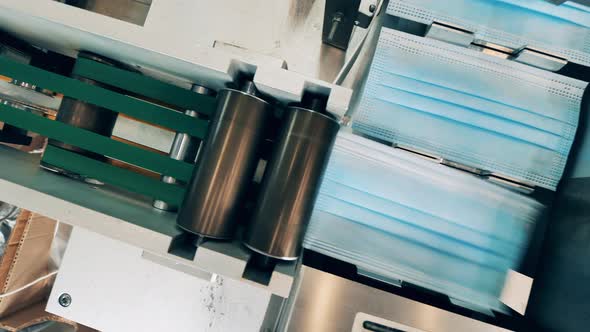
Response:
column 114, row 289
column 178, row 36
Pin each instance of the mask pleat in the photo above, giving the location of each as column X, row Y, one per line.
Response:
column 397, row 215
column 471, row 108
column 563, row 30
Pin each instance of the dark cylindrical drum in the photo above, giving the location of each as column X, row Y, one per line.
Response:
column 85, row 116
column 226, row 165
column 291, row 183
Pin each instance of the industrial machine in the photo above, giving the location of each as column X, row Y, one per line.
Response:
column 301, row 165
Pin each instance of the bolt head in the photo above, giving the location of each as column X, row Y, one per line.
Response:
column 65, row 300
column 372, row 8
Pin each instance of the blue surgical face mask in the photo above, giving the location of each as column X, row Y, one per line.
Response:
column 560, row 29
column 399, row 216
column 470, row 108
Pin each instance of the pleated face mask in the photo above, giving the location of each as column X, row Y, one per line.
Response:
column 560, row 29
column 398, row 216
column 470, row 108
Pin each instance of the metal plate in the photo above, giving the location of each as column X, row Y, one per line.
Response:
column 112, row 288
column 327, row 303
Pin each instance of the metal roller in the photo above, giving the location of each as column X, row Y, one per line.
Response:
column 85, row 116
column 291, row 183
column 226, row 164
column 184, row 148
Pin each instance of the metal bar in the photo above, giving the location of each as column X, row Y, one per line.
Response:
column 96, row 143
column 113, row 175
column 145, row 86
column 108, row 99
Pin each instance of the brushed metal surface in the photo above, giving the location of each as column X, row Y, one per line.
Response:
column 291, row 184
column 226, row 165
column 327, row 303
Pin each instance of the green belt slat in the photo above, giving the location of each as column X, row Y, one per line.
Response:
column 145, row 86
column 96, row 143
column 113, row 175
column 113, row 101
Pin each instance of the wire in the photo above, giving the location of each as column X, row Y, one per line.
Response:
column 355, row 54
column 20, row 289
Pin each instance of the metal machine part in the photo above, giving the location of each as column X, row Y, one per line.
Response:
column 184, row 148
column 8, row 133
column 291, row 184
column 540, row 59
column 132, row 11
column 226, row 164
column 560, row 2
column 84, row 115
column 328, row 303
column 339, row 21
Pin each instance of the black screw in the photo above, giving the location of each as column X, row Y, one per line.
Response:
column 65, row 300
column 372, row 8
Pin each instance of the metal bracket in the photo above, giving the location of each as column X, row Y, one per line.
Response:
column 391, row 281
column 540, row 59
column 450, row 33
column 339, row 20
column 366, row 13
column 469, row 169
column 492, row 49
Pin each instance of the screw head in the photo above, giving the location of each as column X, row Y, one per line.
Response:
column 65, row 300
column 372, row 8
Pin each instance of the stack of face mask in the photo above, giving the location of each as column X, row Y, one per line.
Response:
column 560, row 29
column 396, row 215
column 470, row 108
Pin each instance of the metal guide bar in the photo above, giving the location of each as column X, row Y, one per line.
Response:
column 485, row 174
column 96, row 143
column 133, row 107
column 454, row 34
column 145, row 86
column 123, row 178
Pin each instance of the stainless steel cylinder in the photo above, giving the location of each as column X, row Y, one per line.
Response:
column 291, row 183
column 184, row 148
column 225, row 166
